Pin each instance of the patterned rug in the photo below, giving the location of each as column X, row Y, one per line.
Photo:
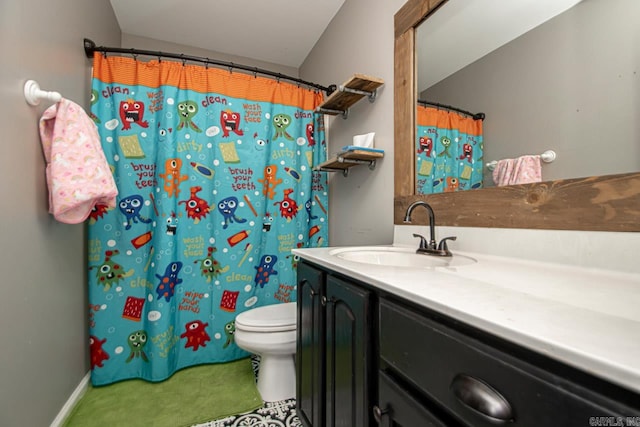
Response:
column 272, row 414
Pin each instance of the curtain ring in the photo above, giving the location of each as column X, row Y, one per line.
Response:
column 134, row 54
column 184, row 61
column 231, row 68
column 206, row 63
column 255, row 73
column 159, row 57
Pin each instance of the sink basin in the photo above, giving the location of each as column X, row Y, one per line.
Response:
column 393, row 256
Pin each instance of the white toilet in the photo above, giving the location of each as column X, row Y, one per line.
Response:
column 270, row 331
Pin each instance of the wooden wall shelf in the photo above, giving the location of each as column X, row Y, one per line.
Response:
column 346, row 159
column 348, row 93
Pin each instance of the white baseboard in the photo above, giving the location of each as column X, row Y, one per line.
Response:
column 71, row 402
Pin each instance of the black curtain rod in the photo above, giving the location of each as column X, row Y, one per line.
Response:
column 476, row 116
column 90, row 47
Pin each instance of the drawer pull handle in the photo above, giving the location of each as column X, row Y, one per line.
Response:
column 480, row 397
column 379, row 413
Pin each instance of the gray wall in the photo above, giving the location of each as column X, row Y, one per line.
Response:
column 43, row 320
column 133, row 41
column 359, row 40
column 571, row 85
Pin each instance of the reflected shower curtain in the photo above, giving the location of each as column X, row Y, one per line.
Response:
column 449, row 151
column 214, row 171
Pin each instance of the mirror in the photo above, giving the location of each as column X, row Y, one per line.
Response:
column 555, row 84
column 597, row 202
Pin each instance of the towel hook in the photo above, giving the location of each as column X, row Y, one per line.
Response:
column 33, row 94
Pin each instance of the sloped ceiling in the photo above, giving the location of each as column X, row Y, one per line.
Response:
column 277, row 31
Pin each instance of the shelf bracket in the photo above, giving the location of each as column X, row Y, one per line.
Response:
column 343, row 113
column 370, row 95
column 345, row 172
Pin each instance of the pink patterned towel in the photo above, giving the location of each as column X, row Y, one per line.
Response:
column 78, row 174
column 523, row 170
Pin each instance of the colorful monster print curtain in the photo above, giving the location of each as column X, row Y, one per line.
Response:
column 449, row 151
column 215, row 180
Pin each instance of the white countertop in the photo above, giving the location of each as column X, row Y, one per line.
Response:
column 586, row 318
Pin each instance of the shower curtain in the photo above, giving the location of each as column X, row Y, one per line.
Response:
column 449, row 151
column 215, row 180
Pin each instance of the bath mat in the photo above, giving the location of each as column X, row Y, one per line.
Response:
column 191, row 396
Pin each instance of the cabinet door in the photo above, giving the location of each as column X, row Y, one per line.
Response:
column 348, row 341
column 310, row 346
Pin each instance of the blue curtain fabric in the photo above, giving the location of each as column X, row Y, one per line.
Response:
column 449, row 151
column 215, row 180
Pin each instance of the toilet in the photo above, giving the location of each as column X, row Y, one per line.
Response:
column 270, row 332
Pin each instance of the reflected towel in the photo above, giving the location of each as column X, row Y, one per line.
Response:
column 78, row 175
column 523, row 170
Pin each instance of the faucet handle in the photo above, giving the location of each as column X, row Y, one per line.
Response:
column 423, row 241
column 442, row 246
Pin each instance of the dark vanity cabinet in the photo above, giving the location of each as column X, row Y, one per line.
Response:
column 367, row 357
column 334, row 353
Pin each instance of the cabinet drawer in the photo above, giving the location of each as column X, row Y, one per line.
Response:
column 450, row 369
column 398, row 408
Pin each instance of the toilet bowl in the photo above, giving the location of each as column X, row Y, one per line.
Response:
column 270, row 332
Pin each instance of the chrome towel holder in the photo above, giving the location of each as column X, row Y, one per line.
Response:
column 547, row 157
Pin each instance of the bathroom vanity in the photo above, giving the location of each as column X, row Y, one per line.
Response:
column 494, row 341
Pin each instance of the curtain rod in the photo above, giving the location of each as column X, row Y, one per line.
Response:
column 90, row 47
column 476, row 116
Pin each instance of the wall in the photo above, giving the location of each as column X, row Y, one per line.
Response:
column 145, row 43
column 561, row 86
column 359, row 40
column 43, row 313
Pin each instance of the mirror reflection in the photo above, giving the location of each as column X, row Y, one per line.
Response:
column 566, row 83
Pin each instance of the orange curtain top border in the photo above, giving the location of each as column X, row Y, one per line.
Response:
column 153, row 74
column 429, row 116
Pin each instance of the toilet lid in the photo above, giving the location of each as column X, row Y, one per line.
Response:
column 275, row 317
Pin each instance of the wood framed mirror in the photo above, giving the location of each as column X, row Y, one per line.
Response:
column 599, row 203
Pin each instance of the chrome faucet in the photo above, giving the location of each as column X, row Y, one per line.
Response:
column 428, row 247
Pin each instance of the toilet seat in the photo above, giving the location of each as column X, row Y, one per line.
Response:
column 269, row 318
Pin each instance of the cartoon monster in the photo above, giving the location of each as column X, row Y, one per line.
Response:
column 130, row 206
column 195, row 334
column 269, row 182
column 163, row 133
column 210, row 268
column 267, row 219
column 94, row 99
column 227, row 208
column 467, row 153
column 98, row 355
column 230, row 121
column 229, row 330
column 110, row 272
column 172, row 225
column 446, row 143
column 167, row 286
column 281, row 122
column 426, row 145
column 196, row 207
column 310, row 138
column 307, row 206
column 97, row 212
column 265, row 269
column 288, row 207
column 172, row 177
column 186, row 111
column 131, row 112
column 136, row 341
column 451, row 185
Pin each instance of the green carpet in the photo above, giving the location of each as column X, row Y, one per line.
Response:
column 191, row 396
